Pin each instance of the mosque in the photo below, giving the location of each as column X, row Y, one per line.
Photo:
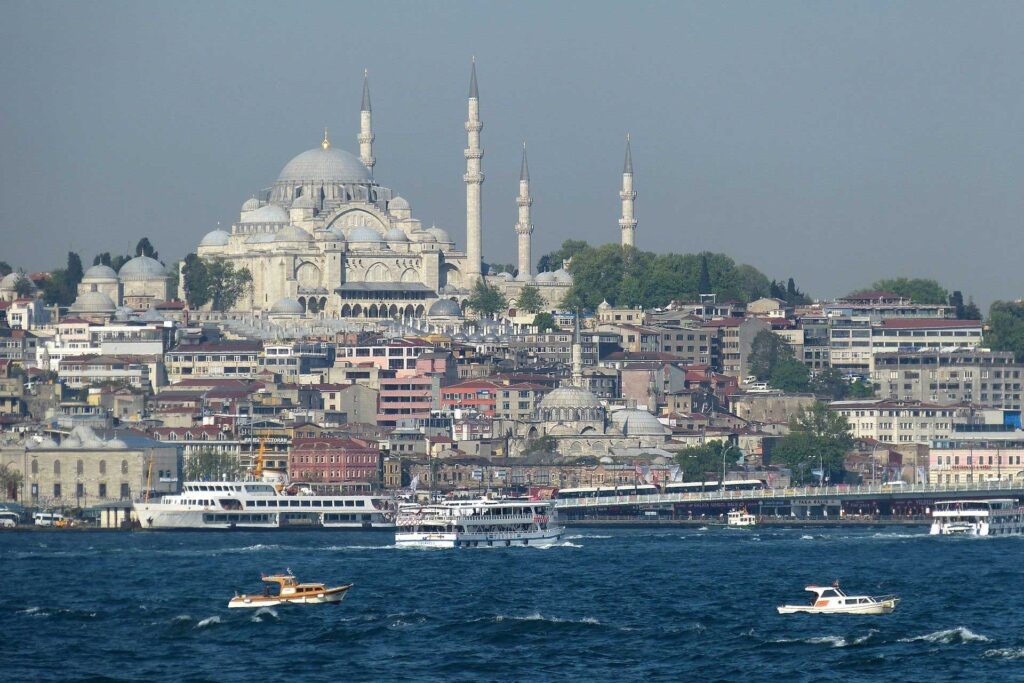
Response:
column 327, row 240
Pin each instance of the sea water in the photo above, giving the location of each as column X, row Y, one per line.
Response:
column 609, row 605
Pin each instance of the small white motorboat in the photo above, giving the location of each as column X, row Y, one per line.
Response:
column 832, row 600
column 740, row 519
column 289, row 590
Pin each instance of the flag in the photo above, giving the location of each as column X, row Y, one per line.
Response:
column 675, row 473
column 414, row 483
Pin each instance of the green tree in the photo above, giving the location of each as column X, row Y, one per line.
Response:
column 704, row 280
column 530, row 300
column 1006, row 328
column 553, row 260
column 101, row 259
column 921, row 290
column 767, row 351
column 72, row 276
column 790, row 375
column 831, row 383
column 55, row 290
column 10, row 481
column 118, row 261
column 486, row 300
column 541, row 445
column 5, row 268
column 196, row 281
column 24, row 288
column 212, row 466
column 704, row 462
column 226, row 284
column 144, row 248
column 544, row 322
column 818, row 439
column 859, row 389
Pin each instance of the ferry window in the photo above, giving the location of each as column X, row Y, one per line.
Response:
column 306, row 503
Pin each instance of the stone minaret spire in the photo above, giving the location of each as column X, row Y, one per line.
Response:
column 524, row 228
column 577, row 353
column 474, row 178
column 366, row 135
column 627, row 223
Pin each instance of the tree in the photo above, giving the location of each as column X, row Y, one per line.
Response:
column 544, row 322
column 704, row 281
column 144, row 248
column 1006, row 328
column 10, row 481
column 226, row 285
column 196, row 281
column 541, row 445
column 5, row 268
column 23, row 288
column 486, row 300
column 818, row 440
column 553, row 260
column 212, row 466
column 790, row 375
column 859, row 389
column 766, row 352
column 920, row 290
column 704, row 462
column 831, row 383
column 55, row 290
column 530, row 300
column 964, row 311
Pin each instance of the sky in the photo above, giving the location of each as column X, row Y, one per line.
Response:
column 833, row 142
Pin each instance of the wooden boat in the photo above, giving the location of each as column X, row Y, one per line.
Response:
column 289, row 590
column 832, row 600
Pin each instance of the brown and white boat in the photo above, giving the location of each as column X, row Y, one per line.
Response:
column 289, row 590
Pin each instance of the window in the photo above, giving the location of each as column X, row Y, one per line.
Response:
column 80, row 467
column 56, row 468
column 103, row 466
column 56, row 490
column 103, row 489
column 124, row 467
column 126, row 491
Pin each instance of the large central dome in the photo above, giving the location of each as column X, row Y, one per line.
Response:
column 331, row 165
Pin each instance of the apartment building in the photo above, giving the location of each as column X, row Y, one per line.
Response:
column 990, row 379
column 899, row 422
column 232, row 360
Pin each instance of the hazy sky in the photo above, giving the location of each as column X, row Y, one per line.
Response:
column 833, row 142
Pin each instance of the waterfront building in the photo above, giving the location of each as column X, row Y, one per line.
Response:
column 968, row 457
column 899, row 422
column 989, row 379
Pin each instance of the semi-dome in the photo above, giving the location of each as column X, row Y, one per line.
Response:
column 637, row 422
column 422, row 236
column 570, row 397
column 143, row 268
column 270, row 213
column 439, row 234
column 545, row 277
column 251, row 204
column 215, row 238
column 260, row 238
column 99, row 272
column 562, row 275
column 93, row 302
column 364, row 234
column 331, row 165
column 444, row 308
column 286, row 306
column 396, row 235
column 304, row 202
column 398, row 202
column 292, row 233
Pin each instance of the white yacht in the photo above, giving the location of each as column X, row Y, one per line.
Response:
column 740, row 519
column 991, row 517
column 261, row 505
column 480, row 523
column 832, row 600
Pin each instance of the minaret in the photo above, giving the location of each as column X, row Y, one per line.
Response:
column 474, row 178
column 524, row 228
column 366, row 127
column 627, row 223
column 577, row 354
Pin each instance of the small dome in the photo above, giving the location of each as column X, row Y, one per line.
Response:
column 444, row 308
column 490, row 339
column 562, row 275
column 364, row 234
column 637, row 422
column 143, row 268
column 10, row 281
column 399, row 203
column 422, row 236
column 292, row 233
column 524, row 277
column 286, row 306
column 152, row 316
column 570, row 397
column 439, row 234
column 304, row 202
column 251, row 204
column 99, row 272
column 396, row 235
column 71, row 442
column 215, row 238
column 545, row 277
column 604, row 305
column 505, row 275
column 115, row 443
column 93, row 302
column 270, row 213
column 330, row 165
column 607, row 460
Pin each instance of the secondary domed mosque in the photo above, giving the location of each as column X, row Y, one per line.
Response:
column 328, row 240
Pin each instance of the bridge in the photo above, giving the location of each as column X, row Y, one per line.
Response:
column 800, row 502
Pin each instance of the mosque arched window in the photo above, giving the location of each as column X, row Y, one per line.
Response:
column 80, row 467
column 56, row 468
column 103, row 466
column 124, row 467
column 35, row 467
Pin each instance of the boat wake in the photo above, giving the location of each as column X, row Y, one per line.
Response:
column 208, row 621
column 48, row 612
column 576, row 537
column 1006, row 653
column 950, row 636
column 832, row 641
column 537, row 616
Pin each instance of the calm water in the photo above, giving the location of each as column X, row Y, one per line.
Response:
column 654, row 605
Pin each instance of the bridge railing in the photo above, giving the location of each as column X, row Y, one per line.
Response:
column 841, row 490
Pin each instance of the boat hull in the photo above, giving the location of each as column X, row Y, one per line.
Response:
column 537, row 539
column 154, row 517
column 881, row 607
column 326, row 597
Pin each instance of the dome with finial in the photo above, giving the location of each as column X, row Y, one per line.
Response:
column 215, row 238
column 396, row 235
column 268, row 213
column 251, row 204
column 325, row 164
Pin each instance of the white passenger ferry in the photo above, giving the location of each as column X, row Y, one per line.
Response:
column 992, row 517
column 261, row 505
column 480, row 523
